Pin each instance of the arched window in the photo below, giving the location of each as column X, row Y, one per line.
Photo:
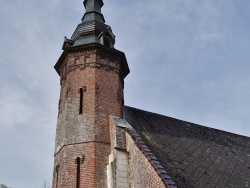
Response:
column 107, row 38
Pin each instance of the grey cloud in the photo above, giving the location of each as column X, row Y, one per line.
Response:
column 188, row 60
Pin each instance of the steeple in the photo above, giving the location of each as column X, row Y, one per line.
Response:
column 92, row 77
column 92, row 29
column 93, row 11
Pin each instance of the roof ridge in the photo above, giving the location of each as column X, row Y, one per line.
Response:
column 187, row 122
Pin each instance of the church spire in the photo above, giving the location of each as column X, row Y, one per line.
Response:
column 92, row 29
column 92, row 77
column 93, row 11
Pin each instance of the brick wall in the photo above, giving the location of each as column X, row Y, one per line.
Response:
column 141, row 172
column 96, row 72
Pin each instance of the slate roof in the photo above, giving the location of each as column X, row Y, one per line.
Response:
column 194, row 156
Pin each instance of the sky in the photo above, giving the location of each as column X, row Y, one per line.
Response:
column 188, row 59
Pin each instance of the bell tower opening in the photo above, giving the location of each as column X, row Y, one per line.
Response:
column 106, row 41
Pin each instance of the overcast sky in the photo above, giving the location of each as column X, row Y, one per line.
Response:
column 189, row 59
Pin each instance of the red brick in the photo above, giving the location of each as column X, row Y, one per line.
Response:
column 99, row 70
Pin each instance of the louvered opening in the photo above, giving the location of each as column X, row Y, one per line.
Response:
column 106, row 41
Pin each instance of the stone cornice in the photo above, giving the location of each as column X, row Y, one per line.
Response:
column 102, row 51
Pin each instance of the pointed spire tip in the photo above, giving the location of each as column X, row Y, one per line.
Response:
column 94, row 1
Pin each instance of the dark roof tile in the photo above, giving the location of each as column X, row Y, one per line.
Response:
column 193, row 155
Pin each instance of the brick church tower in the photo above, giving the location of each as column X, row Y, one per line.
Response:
column 92, row 76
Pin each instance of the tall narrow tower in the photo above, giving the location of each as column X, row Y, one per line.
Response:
column 92, row 76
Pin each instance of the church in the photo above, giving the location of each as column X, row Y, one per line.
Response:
column 100, row 143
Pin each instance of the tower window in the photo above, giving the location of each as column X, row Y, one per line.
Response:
column 81, row 101
column 81, row 91
column 78, row 160
column 57, row 172
column 106, row 41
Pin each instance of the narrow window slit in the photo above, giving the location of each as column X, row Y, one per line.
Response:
column 81, row 101
column 57, row 172
column 78, row 160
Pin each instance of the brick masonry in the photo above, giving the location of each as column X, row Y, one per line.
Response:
column 141, row 172
column 98, row 72
column 131, row 163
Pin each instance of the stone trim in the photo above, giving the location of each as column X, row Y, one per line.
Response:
column 117, row 169
column 166, row 179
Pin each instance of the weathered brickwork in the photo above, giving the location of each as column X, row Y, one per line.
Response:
column 67, row 167
column 92, row 155
column 131, row 163
column 141, row 172
column 91, row 80
column 103, row 94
